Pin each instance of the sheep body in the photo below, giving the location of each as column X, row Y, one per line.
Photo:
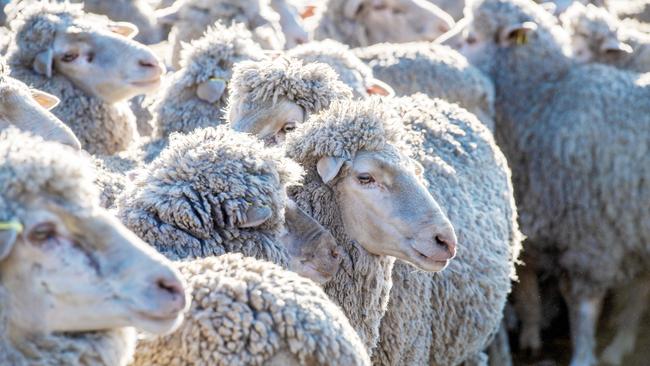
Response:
column 250, row 312
column 101, row 127
column 138, row 12
column 469, row 176
column 435, row 70
column 188, row 202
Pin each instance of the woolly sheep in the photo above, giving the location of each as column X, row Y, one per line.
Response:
column 53, row 234
column 191, row 18
column 364, row 22
column 292, row 27
column 363, row 187
column 138, row 12
column 270, row 98
column 27, row 110
column 78, row 58
column 351, row 70
column 250, row 312
column 215, row 191
column 194, row 96
column 469, row 177
column 578, row 155
column 597, row 36
column 435, row 70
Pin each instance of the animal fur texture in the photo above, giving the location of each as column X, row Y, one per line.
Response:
column 102, row 128
column 190, row 201
column 250, row 312
column 177, row 107
column 435, row 70
column 450, row 317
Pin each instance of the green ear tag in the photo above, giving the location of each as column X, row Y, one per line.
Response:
column 522, row 38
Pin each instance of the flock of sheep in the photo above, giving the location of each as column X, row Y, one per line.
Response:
column 341, row 182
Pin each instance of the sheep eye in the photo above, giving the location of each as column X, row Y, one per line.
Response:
column 289, row 127
column 69, row 56
column 365, row 178
column 90, row 57
column 380, row 7
column 42, row 232
column 471, row 39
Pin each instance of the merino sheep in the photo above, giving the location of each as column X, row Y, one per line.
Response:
column 351, row 70
column 270, row 98
column 576, row 136
column 191, row 18
column 250, row 312
column 216, row 191
column 364, row 188
column 195, row 96
column 597, row 36
column 27, row 110
column 360, row 23
column 469, row 177
column 85, row 61
column 435, row 70
column 138, row 12
column 72, row 277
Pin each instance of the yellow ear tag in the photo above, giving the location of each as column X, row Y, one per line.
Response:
column 11, row 225
column 521, row 38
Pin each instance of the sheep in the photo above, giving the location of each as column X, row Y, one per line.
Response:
column 292, row 27
column 578, row 157
column 190, row 19
column 138, row 12
column 362, row 186
column 452, row 7
column 270, row 98
column 195, row 95
column 469, row 177
column 86, row 62
column 73, row 279
column 250, row 312
column 215, row 191
column 597, row 36
column 28, row 110
column 435, row 70
column 351, row 70
column 360, row 23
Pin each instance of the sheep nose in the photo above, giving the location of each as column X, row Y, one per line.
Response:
column 447, row 241
column 335, row 253
column 171, row 288
column 300, row 40
column 152, row 64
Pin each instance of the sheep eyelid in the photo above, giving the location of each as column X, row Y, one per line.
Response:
column 69, row 56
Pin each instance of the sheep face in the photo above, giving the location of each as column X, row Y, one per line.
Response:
column 387, row 209
column 271, row 122
column 78, row 269
column 409, row 20
column 103, row 63
column 314, row 251
column 27, row 110
column 293, row 29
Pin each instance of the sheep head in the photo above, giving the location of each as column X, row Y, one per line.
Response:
column 95, row 54
column 27, row 110
column 66, row 264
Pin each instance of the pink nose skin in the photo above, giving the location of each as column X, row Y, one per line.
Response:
column 448, row 243
column 171, row 288
column 152, row 65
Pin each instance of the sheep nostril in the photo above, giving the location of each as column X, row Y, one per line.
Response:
column 147, row 63
column 300, row 41
column 448, row 244
column 174, row 288
column 335, row 253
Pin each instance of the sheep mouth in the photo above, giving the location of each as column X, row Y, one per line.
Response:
column 427, row 263
column 146, row 83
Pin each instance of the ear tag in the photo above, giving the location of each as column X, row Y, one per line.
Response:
column 522, row 38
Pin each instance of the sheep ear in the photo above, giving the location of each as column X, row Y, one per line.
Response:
column 378, row 87
column 517, row 34
column 272, row 54
column 126, row 29
column 256, row 216
column 550, row 7
column 613, row 46
column 43, row 63
column 169, row 15
column 308, row 12
column 211, row 90
column 328, row 167
column 351, row 8
column 45, row 100
column 8, row 236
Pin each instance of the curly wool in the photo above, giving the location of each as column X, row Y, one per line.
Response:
column 362, row 285
column 312, row 86
column 102, row 128
column 250, row 312
column 351, row 70
column 469, row 177
column 578, row 155
column 52, row 170
column 197, row 15
column 435, row 70
column 189, row 202
column 177, row 108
